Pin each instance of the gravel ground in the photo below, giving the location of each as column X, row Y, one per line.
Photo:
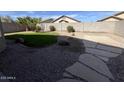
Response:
column 36, row 64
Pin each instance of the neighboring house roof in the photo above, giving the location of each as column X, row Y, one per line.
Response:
column 66, row 17
column 114, row 16
column 119, row 13
column 48, row 20
column 111, row 17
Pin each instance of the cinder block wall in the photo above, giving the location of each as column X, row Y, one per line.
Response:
column 108, row 27
column 119, row 28
column 12, row 27
column 105, row 27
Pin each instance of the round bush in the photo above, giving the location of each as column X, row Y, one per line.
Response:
column 52, row 28
column 70, row 29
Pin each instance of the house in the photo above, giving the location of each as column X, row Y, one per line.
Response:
column 48, row 20
column 116, row 17
column 65, row 19
column 111, row 18
column 120, row 15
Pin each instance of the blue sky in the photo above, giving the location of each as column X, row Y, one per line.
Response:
column 84, row 16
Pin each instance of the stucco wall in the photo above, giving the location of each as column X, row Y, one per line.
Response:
column 83, row 27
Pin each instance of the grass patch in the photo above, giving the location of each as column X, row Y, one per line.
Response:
column 35, row 39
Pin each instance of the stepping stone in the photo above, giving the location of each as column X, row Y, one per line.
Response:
column 68, row 80
column 67, row 75
column 111, row 49
column 101, row 52
column 86, row 73
column 89, row 44
column 103, row 58
column 96, row 64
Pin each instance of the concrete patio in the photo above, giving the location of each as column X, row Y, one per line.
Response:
column 103, row 38
column 92, row 65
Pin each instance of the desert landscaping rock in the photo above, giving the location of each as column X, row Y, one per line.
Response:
column 96, row 64
column 108, row 48
column 101, row 52
column 36, row 64
column 63, row 43
column 89, row 43
column 68, row 80
column 86, row 73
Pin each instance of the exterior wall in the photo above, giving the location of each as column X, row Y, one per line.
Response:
column 66, row 19
column 119, row 28
column 120, row 16
column 83, row 27
column 111, row 19
column 12, row 27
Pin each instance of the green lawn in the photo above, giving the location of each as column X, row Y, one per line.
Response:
column 35, row 39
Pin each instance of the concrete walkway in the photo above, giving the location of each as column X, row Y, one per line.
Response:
column 92, row 65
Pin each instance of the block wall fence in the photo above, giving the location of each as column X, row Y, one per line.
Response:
column 103, row 27
column 13, row 27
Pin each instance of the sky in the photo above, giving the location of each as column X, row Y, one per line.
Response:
column 83, row 16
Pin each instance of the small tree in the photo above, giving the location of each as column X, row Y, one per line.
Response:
column 70, row 29
column 52, row 28
column 29, row 22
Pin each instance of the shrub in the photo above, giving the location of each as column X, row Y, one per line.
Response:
column 19, row 40
column 52, row 28
column 38, row 28
column 70, row 29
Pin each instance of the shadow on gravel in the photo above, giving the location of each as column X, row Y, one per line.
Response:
column 47, row 64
